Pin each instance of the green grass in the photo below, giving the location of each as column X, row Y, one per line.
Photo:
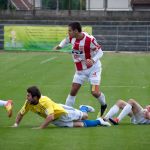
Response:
column 124, row 76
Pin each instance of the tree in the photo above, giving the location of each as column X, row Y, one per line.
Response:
column 3, row 4
column 49, row 4
column 64, row 4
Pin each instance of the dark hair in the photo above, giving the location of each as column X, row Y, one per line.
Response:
column 75, row 25
column 34, row 91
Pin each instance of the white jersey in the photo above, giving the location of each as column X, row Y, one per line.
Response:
column 85, row 48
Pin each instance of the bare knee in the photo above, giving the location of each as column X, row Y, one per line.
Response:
column 85, row 116
column 121, row 103
column 95, row 93
column 136, row 107
column 132, row 102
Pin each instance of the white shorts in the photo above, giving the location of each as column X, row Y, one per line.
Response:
column 66, row 120
column 138, row 118
column 92, row 75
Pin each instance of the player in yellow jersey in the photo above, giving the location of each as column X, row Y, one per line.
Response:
column 57, row 114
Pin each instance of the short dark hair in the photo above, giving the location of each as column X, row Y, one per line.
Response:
column 75, row 25
column 34, row 91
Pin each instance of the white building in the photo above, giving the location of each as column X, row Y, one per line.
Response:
column 36, row 3
column 109, row 5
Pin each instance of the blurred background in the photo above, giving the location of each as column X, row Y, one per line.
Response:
column 118, row 25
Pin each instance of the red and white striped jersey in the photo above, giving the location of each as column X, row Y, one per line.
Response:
column 85, row 48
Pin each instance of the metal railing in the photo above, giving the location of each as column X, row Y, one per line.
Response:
column 123, row 37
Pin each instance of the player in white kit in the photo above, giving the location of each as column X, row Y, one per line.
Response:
column 8, row 106
column 86, row 53
column 133, row 109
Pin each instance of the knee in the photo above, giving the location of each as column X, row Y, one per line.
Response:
column 131, row 101
column 85, row 116
column 121, row 103
column 95, row 93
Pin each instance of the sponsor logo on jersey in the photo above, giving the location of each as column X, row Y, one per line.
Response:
column 77, row 52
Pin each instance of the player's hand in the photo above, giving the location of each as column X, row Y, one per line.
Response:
column 57, row 48
column 89, row 62
column 36, row 128
column 15, row 125
column 148, row 108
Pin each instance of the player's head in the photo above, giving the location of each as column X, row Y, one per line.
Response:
column 33, row 95
column 74, row 29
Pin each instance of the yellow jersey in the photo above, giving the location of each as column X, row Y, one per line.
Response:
column 44, row 108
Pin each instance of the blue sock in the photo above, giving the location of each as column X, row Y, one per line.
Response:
column 91, row 123
column 84, row 109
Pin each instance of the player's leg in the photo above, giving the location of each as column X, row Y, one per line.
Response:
column 8, row 106
column 136, row 107
column 86, row 108
column 75, row 114
column 86, row 123
column 68, row 119
column 131, row 108
column 72, row 96
column 135, row 111
column 120, row 104
column 3, row 103
column 77, row 82
column 94, row 79
column 77, row 118
column 91, row 123
column 100, row 96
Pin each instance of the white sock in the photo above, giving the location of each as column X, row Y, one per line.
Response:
column 113, row 110
column 70, row 100
column 126, row 110
column 3, row 103
column 101, row 99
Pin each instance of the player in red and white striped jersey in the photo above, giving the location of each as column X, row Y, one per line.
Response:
column 86, row 53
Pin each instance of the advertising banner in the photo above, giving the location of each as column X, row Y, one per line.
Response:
column 36, row 38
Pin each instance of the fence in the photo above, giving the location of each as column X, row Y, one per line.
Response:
column 123, row 37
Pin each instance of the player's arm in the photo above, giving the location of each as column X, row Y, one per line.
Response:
column 62, row 44
column 97, row 49
column 21, row 113
column 57, row 47
column 18, row 120
column 48, row 119
column 98, row 53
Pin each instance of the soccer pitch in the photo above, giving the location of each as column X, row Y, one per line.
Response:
column 124, row 76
